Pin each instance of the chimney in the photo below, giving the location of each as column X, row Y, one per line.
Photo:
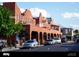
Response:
column 40, row 14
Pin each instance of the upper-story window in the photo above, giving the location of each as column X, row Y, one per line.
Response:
column 41, row 24
column 28, row 21
column 55, row 27
column 19, row 17
column 66, row 31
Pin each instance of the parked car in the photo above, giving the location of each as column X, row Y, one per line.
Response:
column 53, row 41
column 48, row 42
column 2, row 44
column 77, row 40
column 56, row 40
column 63, row 40
column 30, row 44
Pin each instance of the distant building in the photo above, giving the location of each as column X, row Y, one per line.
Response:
column 67, row 33
column 39, row 28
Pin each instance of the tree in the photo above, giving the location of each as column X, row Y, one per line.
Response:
column 8, row 27
column 76, row 31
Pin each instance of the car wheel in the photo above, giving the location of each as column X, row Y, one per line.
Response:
column 51, row 43
column 37, row 45
column 77, row 41
column 1, row 47
column 34, row 45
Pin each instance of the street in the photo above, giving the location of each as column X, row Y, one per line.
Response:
column 52, row 48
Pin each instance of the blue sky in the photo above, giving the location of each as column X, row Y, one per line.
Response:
column 65, row 13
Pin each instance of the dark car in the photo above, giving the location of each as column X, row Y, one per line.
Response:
column 63, row 40
column 1, row 45
column 77, row 40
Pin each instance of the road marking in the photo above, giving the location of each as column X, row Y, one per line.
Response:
column 30, row 49
column 48, row 48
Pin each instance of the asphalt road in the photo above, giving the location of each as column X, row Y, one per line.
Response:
column 52, row 48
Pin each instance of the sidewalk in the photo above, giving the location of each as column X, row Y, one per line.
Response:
column 68, row 42
column 40, row 45
column 9, row 49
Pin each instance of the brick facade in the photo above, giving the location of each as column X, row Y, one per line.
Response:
column 38, row 27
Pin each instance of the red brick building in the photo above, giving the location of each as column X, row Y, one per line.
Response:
column 39, row 27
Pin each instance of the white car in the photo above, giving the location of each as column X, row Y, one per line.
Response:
column 56, row 40
column 30, row 44
column 48, row 42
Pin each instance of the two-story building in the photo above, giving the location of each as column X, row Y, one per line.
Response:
column 67, row 33
column 35, row 27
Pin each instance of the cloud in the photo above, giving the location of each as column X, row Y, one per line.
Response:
column 54, row 21
column 75, row 9
column 22, row 10
column 1, row 3
column 74, row 26
column 36, row 11
column 68, row 15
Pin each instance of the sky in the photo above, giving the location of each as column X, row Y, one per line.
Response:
column 65, row 14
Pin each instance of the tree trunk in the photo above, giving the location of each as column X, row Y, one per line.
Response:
column 8, row 41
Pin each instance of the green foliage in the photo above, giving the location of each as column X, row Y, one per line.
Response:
column 18, row 28
column 76, row 31
column 7, row 25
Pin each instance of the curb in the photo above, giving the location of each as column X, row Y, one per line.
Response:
column 9, row 49
column 68, row 43
column 40, row 45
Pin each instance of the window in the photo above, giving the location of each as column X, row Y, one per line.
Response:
column 30, row 41
column 19, row 17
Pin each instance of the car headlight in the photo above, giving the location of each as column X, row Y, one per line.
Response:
column 32, row 45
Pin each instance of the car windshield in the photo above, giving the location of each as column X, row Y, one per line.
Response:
column 56, row 39
column 77, row 38
column 30, row 41
column 49, row 40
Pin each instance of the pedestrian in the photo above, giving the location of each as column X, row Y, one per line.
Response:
column 34, row 39
column 17, row 38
